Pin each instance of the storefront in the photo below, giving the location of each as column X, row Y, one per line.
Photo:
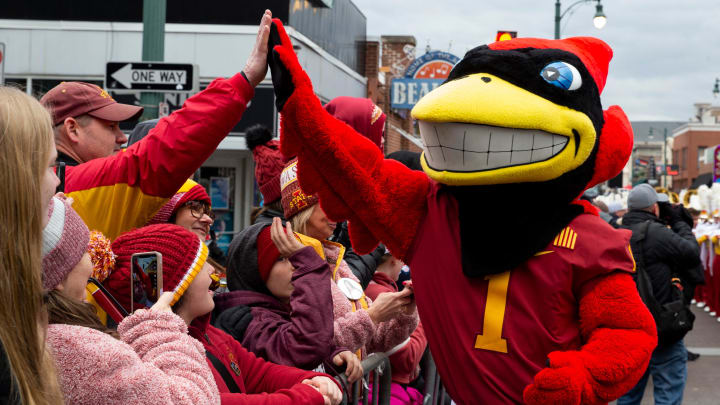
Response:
column 45, row 47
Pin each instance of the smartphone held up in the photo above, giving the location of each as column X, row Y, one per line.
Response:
column 145, row 279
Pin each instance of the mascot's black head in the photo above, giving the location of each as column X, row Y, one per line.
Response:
column 518, row 128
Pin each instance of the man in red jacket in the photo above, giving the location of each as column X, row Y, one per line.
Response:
column 118, row 190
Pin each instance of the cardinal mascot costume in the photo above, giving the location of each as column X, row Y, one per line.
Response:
column 526, row 295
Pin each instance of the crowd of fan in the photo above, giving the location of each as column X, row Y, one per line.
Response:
column 299, row 308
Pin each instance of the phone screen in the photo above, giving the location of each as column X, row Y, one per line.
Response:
column 146, row 278
column 60, row 173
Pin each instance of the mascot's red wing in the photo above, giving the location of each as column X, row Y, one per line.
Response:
column 347, row 171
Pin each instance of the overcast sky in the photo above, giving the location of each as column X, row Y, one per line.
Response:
column 666, row 52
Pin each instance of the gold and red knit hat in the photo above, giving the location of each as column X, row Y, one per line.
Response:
column 190, row 191
column 293, row 198
column 183, row 256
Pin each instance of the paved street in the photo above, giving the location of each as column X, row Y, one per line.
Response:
column 703, row 385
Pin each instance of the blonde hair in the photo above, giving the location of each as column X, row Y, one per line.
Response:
column 26, row 142
column 299, row 221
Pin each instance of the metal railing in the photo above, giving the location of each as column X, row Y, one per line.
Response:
column 434, row 390
column 376, row 370
column 377, row 378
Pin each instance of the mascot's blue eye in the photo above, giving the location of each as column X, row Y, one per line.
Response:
column 563, row 75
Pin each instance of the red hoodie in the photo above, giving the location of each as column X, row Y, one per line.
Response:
column 260, row 381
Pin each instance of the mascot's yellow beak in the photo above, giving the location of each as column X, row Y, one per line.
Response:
column 481, row 130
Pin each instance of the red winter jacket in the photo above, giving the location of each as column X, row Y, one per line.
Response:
column 122, row 192
column 260, row 381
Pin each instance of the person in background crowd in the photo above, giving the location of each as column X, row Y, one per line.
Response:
column 190, row 208
column 286, row 285
column 616, row 211
column 269, row 163
column 27, row 159
column 115, row 191
column 368, row 120
column 603, row 210
column 666, row 253
column 405, row 357
column 695, row 214
column 360, row 324
column 240, row 376
column 149, row 360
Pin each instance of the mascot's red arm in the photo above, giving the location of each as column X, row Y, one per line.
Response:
column 346, row 170
column 619, row 335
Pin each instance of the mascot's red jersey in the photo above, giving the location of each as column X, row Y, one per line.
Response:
column 524, row 294
column 504, row 325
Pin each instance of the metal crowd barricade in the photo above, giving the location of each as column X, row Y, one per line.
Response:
column 434, row 390
column 376, row 369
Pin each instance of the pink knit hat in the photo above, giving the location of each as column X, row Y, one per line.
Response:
column 65, row 241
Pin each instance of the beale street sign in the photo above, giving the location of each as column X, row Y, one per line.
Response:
column 422, row 76
column 151, row 77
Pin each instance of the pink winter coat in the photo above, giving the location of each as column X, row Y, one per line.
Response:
column 355, row 330
column 156, row 362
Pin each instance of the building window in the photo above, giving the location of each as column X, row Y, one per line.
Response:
column 683, row 159
column 17, row 83
column 701, row 155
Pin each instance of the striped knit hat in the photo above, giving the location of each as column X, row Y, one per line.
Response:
column 190, row 191
column 183, row 255
column 293, row 198
column 65, row 241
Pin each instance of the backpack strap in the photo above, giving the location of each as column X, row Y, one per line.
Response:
column 224, row 373
column 644, row 284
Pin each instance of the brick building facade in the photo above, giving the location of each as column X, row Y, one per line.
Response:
column 387, row 58
column 690, row 142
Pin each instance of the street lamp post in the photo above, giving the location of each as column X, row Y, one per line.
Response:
column 664, row 157
column 599, row 20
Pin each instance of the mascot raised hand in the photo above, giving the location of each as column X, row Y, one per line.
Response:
column 526, row 295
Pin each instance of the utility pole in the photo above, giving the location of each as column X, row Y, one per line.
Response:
column 153, row 49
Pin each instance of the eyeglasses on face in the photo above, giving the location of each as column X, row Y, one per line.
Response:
column 199, row 208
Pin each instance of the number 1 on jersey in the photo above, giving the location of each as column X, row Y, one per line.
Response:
column 491, row 338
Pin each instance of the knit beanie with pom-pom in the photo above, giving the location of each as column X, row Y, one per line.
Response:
column 269, row 162
column 183, row 256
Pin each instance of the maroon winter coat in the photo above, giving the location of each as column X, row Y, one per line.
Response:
column 299, row 334
column 260, row 381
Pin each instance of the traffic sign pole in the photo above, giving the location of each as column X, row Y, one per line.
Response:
column 153, row 49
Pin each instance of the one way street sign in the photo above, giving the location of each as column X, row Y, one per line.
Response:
column 151, row 76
